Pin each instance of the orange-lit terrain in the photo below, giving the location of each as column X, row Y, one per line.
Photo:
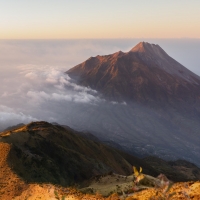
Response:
column 25, row 169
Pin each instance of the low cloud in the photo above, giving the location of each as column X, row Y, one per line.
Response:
column 9, row 116
column 50, row 84
column 38, row 92
column 81, row 97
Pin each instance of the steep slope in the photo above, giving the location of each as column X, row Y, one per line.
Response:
column 11, row 184
column 144, row 74
column 161, row 112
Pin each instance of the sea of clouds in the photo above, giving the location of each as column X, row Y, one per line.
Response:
column 35, row 87
column 38, row 93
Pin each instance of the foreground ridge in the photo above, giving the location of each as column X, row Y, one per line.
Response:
column 38, row 153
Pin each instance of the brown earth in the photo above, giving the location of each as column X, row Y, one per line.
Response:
column 11, row 184
column 180, row 191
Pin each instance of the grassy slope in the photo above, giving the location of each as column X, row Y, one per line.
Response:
column 42, row 152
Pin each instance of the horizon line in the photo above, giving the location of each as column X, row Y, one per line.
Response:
column 128, row 38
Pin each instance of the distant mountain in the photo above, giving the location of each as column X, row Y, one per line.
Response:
column 144, row 74
column 186, row 170
column 153, row 102
column 10, row 128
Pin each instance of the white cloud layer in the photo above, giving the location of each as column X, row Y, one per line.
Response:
column 9, row 116
column 50, row 84
column 26, row 96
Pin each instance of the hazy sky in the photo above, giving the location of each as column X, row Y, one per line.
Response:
column 47, row 19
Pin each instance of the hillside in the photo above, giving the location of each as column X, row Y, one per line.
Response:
column 181, row 169
column 48, row 153
column 41, row 153
column 44, row 153
column 11, row 184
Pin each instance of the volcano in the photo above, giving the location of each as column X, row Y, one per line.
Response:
column 156, row 109
column 144, row 74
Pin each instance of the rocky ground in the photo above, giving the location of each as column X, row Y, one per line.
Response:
column 182, row 191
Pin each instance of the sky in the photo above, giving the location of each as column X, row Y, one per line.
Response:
column 67, row 19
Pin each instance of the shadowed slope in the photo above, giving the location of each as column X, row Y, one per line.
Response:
column 46, row 153
column 42, row 152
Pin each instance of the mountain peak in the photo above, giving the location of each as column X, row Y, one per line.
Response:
column 144, row 64
column 139, row 47
column 146, row 47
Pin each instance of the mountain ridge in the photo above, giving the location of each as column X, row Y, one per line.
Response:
column 40, row 153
